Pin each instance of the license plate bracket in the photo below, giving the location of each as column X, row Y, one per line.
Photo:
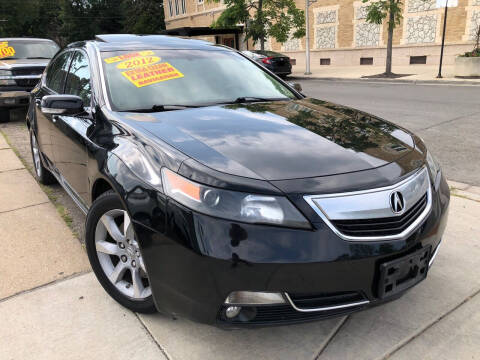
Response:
column 400, row 274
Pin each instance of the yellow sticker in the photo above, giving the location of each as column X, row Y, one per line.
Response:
column 5, row 50
column 152, row 74
column 118, row 58
column 138, row 61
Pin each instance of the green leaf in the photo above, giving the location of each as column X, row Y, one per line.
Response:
column 278, row 19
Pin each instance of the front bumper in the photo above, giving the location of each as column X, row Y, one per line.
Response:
column 200, row 260
column 14, row 98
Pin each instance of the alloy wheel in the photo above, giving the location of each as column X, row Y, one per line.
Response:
column 36, row 155
column 119, row 255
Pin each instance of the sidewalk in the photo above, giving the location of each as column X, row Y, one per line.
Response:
column 416, row 73
column 52, row 307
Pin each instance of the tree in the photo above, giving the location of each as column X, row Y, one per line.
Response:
column 66, row 21
column 34, row 18
column 76, row 22
column 144, row 16
column 279, row 19
column 377, row 12
column 83, row 19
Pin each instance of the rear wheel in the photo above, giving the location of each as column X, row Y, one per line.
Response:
column 4, row 115
column 115, row 256
column 41, row 173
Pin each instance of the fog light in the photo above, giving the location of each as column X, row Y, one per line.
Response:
column 232, row 311
column 254, row 298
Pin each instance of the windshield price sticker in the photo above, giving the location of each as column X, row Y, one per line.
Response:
column 118, row 58
column 138, row 61
column 5, row 50
column 152, row 74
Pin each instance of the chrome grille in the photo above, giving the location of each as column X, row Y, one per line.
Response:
column 382, row 226
column 27, row 71
column 28, row 83
column 368, row 215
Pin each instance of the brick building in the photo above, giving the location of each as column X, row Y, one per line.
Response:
column 340, row 36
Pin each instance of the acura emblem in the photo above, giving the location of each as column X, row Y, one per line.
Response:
column 396, row 202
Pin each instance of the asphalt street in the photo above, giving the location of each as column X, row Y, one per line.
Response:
column 446, row 117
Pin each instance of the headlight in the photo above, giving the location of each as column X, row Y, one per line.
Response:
column 142, row 161
column 7, row 82
column 433, row 166
column 232, row 205
column 6, row 78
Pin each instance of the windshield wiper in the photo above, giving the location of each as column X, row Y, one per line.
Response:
column 38, row 57
column 160, row 108
column 249, row 99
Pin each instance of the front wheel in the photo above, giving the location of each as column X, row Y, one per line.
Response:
column 44, row 176
column 115, row 256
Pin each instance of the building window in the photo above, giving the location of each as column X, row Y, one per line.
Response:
column 176, row 7
column 366, row 61
column 418, row 60
column 200, row 2
column 170, row 7
column 325, row 61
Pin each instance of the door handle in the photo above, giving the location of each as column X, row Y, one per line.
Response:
column 38, row 102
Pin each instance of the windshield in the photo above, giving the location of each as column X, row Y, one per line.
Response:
column 154, row 78
column 27, row 49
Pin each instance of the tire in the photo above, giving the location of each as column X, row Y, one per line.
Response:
column 105, row 252
column 42, row 174
column 4, row 115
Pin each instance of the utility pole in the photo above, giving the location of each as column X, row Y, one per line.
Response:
column 439, row 76
column 307, row 37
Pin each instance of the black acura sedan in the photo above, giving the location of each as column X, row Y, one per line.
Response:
column 227, row 196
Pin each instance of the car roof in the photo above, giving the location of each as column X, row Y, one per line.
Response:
column 116, row 42
column 269, row 53
column 24, row 38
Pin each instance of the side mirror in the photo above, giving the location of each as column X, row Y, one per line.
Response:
column 296, row 86
column 62, row 104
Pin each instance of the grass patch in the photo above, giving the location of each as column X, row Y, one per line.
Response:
column 66, row 217
column 463, row 196
column 64, row 214
column 50, row 193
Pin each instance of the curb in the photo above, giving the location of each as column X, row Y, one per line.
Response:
column 389, row 81
column 467, row 191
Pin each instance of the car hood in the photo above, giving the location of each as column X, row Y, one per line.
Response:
column 22, row 63
column 279, row 140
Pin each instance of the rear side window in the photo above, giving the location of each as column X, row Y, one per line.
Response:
column 78, row 78
column 57, row 71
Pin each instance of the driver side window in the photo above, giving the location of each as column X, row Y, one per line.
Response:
column 78, row 78
column 57, row 71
